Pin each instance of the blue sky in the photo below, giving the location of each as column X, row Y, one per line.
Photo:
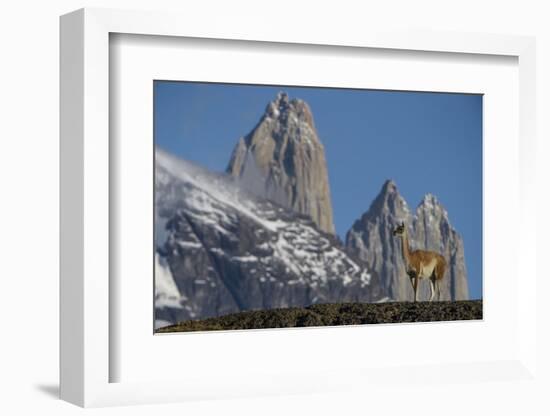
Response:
column 425, row 142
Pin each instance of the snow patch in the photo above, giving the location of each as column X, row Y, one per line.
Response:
column 159, row 323
column 189, row 244
column 167, row 294
column 245, row 259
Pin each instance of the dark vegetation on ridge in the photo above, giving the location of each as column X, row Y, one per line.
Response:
column 332, row 314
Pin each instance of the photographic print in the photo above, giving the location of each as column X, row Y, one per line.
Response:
column 285, row 206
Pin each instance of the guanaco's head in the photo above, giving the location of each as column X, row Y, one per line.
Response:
column 399, row 230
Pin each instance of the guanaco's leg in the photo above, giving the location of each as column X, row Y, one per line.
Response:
column 413, row 278
column 438, row 275
column 432, row 287
column 415, row 286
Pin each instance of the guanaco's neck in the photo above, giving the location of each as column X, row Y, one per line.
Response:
column 405, row 247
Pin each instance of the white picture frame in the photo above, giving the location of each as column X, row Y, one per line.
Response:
column 86, row 294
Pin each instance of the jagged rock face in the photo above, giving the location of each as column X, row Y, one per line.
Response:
column 221, row 250
column 433, row 231
column 285, row 152
column 371, row 239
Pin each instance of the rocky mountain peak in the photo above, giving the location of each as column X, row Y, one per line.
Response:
column 429, row 199
column 431, row 213
column 286, row 155
column 389, row 186
column 388, row 192
column 388, row 202
column 430, row 202
column 289, row 111
column 371, row 239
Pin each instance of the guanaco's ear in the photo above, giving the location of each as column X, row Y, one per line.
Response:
column 402, row 224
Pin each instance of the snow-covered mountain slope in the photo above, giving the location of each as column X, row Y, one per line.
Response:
column 229, row 251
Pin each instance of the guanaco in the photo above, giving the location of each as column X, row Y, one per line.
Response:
column 421, row 264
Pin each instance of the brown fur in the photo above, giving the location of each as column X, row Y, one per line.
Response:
column 415, row 260
column 419, row 257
